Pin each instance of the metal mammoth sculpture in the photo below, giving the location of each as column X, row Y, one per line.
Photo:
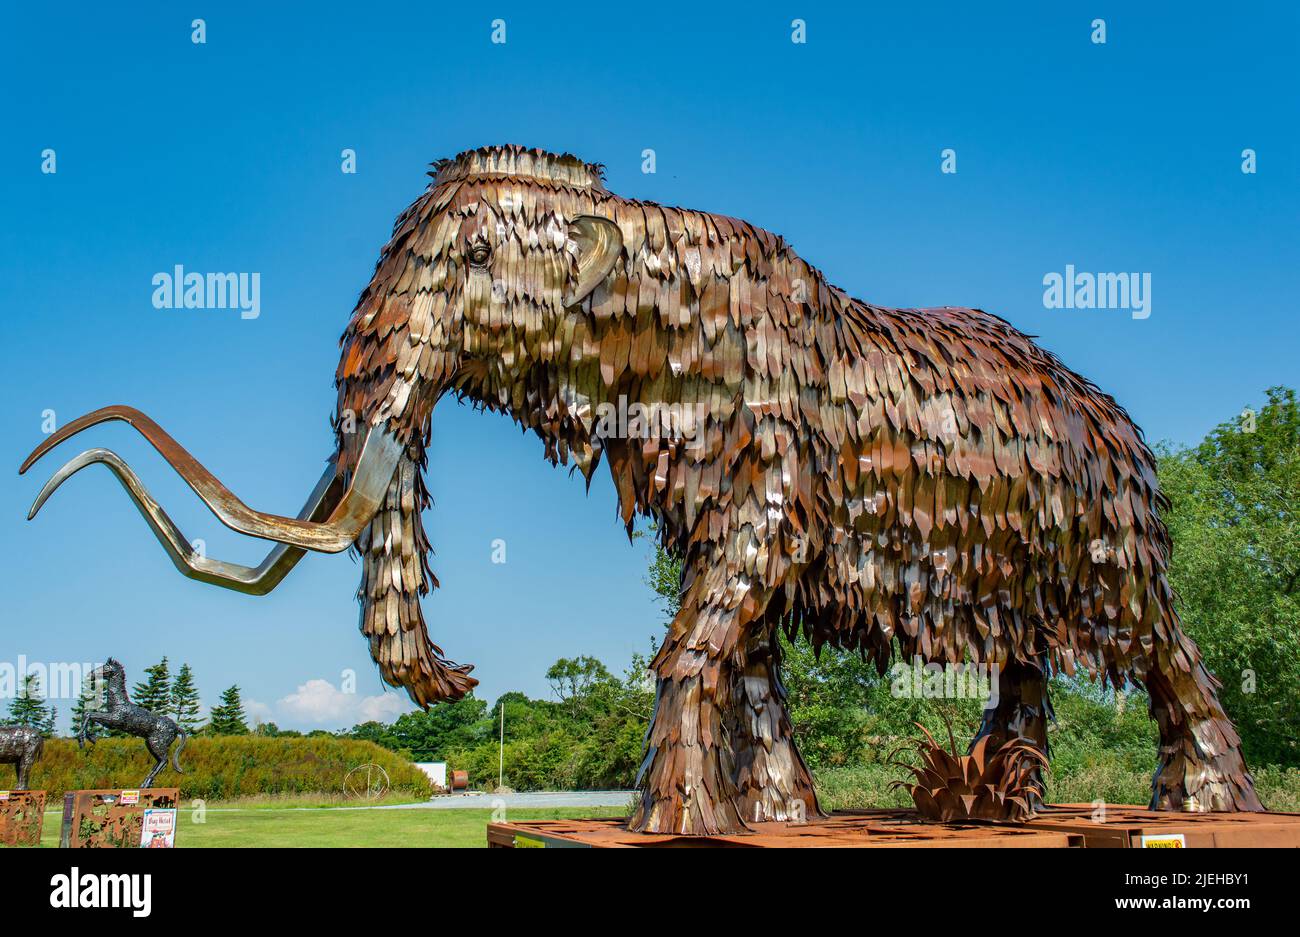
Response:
column 926, row 482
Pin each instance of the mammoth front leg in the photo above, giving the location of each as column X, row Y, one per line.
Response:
column 771, row 777
column 688, row 778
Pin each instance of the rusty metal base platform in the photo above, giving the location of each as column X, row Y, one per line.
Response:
column 1116, row 826
column 1059, row 827
column 865, row 829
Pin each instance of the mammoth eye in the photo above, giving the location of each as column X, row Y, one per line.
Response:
column 479, row 254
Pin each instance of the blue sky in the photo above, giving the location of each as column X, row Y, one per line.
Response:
column 226, row 157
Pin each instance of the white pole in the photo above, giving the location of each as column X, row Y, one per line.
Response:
column 501, row 759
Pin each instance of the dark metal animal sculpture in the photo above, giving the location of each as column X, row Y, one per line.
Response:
column 21, row 747
column 120, row 713
column 922, row 480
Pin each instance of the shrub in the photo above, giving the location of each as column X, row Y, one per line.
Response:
column 221, row 768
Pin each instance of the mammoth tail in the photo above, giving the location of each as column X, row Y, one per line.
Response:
column 395, row 573
column 176, row 755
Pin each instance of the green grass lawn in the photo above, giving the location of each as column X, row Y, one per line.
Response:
column 306, row 820
column 269, row 826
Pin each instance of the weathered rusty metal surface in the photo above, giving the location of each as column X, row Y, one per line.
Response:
column 20, row 746
column 875, row 829
column 110, row 819
column 994, row 782
column 22, row 815
column 1117, row 826
column 120, row 714
column 919, row 481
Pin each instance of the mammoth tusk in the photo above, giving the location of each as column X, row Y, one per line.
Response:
column 364, row 495
column 257, row 580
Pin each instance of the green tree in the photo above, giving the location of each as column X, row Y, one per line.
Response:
column 154, row 693
column 433, row 734
column 664, row 576
column 183, row 703
column 574, row 682
column 228, row 718
column 90, row 700
column 29, row 708
column 1234, row 518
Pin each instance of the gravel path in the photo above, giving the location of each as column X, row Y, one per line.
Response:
column 531, row 799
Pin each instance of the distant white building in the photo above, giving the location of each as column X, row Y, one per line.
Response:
column 436, row 770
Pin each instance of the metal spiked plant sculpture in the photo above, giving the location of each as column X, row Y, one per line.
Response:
column 1005, row 784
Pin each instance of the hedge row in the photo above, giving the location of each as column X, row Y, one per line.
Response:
column 220, row 768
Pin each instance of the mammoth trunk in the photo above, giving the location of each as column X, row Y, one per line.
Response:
column 395, row 574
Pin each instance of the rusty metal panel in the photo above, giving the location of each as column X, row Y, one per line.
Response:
column 22, row 815
column 110, row 819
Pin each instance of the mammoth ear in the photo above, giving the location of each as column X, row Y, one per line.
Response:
column 599, row 244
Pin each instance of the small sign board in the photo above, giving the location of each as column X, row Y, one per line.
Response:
column 1164, row 841
column 116, row 818
column 159, row 828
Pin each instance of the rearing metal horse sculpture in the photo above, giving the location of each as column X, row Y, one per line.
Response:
column 927, row 482
column 120, row 713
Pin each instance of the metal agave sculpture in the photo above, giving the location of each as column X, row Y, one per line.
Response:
column 1004, row 785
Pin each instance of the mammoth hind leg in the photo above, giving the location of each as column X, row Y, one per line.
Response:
column 1201, row 767
column 1021, row 708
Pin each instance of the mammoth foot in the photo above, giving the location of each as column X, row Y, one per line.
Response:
column 1192, row 779
column 1214, row 795
column 686, row 791
column 769, row 804
column 775, row 784
column 684, row 815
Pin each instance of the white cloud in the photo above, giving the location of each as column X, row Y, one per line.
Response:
column 319, row 704
column 256, row 712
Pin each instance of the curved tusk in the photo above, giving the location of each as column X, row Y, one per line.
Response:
column 257, row 580
column 364, row 495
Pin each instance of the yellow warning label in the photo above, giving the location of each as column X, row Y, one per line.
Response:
column 1164, row 841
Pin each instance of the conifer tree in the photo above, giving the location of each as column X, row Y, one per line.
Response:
column 154, row 694
column 228, row 717
column 30, row 709
column 90, row 700
column 184, row 704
